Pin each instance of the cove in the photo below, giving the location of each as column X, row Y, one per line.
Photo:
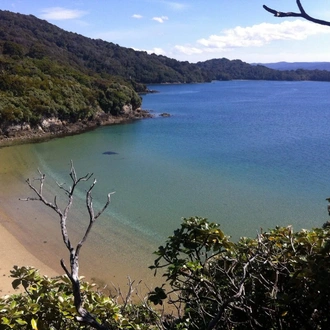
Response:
column 245, row 154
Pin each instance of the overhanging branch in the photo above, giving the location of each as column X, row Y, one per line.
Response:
column 302, row 13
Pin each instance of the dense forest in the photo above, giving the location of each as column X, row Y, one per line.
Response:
column 46, row 72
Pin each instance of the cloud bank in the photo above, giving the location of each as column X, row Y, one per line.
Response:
column 253, row 36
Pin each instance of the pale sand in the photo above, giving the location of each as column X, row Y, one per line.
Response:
column 12, row 252
column 15, row 241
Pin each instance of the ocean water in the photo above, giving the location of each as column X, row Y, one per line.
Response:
column 244, row 154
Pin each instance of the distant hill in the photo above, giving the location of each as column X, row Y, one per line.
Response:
column 297, row 65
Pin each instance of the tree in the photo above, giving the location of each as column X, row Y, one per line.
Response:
column 302, row 13
column 84, row 316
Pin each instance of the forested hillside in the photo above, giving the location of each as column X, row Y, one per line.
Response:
column 224, row 69
column 39, row 38
column 298, row 65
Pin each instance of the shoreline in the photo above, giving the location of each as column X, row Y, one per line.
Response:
column 54, row 128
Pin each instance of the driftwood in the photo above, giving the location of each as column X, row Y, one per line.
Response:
column 302, row 13
column 73, row 274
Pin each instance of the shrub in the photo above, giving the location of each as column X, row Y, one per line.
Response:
column 279, row 280
column 48, row 303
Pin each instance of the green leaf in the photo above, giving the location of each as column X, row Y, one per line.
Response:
column 15, row 284
column 34, row 324
column 20, row 321
column 13, row 304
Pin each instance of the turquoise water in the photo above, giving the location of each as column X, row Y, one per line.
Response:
column 245, row 154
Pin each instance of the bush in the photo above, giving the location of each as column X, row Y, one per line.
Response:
column 48, row 303
column 279, row 280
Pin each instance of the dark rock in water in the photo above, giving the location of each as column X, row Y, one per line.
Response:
column 165, row 114
column 109, row 153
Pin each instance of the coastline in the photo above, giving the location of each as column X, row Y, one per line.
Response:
column 54, row 128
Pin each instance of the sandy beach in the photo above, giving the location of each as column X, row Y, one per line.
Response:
column 12, row 252
column 16, row 243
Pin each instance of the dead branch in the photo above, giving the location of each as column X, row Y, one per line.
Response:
column 84, row 316
column 302, row 13
column 239, row 293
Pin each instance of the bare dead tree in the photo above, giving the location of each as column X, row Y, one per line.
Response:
column 73, row 274
column 302, row 13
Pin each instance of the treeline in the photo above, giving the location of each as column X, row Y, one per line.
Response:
column 39, row 38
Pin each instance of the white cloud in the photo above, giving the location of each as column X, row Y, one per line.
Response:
column 188, row 50
column 264, row 33
column 253, row 36
column 156, row 50
column 138, row 16
column 160, row 19
column 59, row 13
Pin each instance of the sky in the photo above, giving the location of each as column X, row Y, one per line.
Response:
column 194, row 30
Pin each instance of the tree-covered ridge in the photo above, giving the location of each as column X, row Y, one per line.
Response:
column 224, row 69
column 35, row 35
column 39, row 38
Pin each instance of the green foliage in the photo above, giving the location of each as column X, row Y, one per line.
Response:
column 13, row 49
column 279, row 280
column 33, row 89
column 48, row 304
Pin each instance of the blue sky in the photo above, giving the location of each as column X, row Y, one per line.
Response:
column 195, row 30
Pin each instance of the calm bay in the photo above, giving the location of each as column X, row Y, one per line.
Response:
column 244, row 154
